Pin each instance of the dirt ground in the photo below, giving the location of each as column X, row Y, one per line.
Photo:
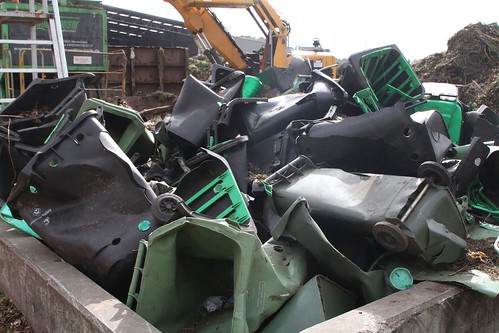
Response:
column 11, row 319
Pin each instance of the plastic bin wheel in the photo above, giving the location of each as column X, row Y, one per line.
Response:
column 390, row 237
column 435, row 172
column 167, row 205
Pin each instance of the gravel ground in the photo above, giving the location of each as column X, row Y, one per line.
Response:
column 11, row 319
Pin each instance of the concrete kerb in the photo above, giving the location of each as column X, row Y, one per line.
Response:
column 425, row 307
column 56, row 297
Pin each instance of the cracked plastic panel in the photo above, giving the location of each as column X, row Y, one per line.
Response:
column 190, row 259
column 404, row 214
column 387, row 142
column 85, row 199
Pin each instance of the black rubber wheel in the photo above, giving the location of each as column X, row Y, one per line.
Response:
column 390, row 237
column 435, row 172
column 165, row 207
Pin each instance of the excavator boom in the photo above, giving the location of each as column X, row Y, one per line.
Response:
column 211, row 33
column 274, row 57
column 200, row 20
column 278, row 33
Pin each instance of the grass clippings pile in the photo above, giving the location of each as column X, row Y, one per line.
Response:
column 471, row 62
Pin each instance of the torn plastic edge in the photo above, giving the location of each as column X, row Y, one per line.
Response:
column 473, row 279
column 230, row 174
column 298, row 165
column 21, row 225
column 297, row 223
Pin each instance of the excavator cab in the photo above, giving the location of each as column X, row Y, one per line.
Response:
column 319, row 57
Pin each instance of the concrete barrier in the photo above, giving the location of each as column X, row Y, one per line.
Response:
column 425, row 307
column 55, row 297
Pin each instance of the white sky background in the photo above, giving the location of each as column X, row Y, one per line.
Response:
column 419, row 28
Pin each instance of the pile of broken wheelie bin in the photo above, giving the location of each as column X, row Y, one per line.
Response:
column 238, row 213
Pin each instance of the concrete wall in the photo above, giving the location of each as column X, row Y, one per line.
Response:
column 55, row 297
column 425, row 307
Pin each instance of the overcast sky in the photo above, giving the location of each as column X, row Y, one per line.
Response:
column 419, row 28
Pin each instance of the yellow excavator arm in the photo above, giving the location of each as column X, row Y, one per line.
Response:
column 277, row 34
column 211, row 33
